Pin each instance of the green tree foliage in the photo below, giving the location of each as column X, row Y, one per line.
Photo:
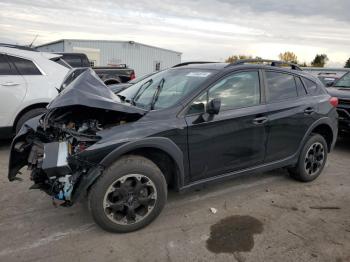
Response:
column 288, row 57
column 347, row 64
column 320, row 60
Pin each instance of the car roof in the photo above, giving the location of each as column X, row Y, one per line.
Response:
column 248, row 64
column 27, row 53
column 208, row 65
column 244, row 63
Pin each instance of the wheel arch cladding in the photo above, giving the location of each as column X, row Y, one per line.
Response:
column 325, row 131
column 160, row 150
column 325, row 128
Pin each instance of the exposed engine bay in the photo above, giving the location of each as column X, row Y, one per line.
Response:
column 54, row 151
column 51, row 145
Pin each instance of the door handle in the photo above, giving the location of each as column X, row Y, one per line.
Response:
column 260, row 120
column 309, row 111
column 9, row 84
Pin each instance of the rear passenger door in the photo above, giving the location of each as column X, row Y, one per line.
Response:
column 12, row 91
column 290, row 113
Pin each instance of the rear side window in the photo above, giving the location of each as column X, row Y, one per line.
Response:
column 280, row 86
column 24, row 66
column 300, row 87
column 310, row 86
column 5, row 67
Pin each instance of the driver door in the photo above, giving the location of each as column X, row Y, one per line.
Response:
column 235, row 138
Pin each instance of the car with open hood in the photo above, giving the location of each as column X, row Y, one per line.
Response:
column 181, row 128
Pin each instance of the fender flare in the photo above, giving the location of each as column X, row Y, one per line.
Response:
column 322, row 121
column 162, row 143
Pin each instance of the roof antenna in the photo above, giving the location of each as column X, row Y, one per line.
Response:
column 31, row 44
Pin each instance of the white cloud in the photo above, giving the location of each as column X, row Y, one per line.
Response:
column 201, row 29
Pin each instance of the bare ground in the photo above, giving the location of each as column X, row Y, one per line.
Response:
column 263, row 217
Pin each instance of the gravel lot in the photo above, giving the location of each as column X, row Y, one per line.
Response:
column 263, row 217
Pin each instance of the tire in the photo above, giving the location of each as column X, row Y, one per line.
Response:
column 28, row 115
column 312, row 159
column 114, row 198
column 113, row 81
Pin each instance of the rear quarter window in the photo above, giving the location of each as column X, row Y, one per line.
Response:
column 311, row 86
column 24, row 66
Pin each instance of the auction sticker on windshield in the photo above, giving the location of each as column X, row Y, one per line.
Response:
column 198, row 74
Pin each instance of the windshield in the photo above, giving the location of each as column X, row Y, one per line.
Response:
column 343, row 82
column 165, row 88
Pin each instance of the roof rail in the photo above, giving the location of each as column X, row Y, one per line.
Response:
column 272, row 63
column 18, row 47
column 193, row 63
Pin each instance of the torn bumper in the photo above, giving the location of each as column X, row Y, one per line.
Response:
column 21, row 147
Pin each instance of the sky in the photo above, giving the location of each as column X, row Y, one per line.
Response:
column 200, row 29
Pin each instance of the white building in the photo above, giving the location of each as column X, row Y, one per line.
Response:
column 144, row 59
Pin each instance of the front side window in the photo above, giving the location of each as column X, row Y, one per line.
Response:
column 235, row 91
column 164, row 89
column 344, row 82
column 280, row 86
column 24, row 66
column 5, row 67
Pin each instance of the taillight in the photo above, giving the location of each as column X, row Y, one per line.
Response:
column 334, row 101
column 132, row 76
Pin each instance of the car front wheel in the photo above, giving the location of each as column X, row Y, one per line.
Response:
column 129, row 195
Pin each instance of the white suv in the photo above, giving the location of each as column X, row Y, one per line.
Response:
column 28, row 82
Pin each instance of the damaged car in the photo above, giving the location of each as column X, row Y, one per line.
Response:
column 180, row 128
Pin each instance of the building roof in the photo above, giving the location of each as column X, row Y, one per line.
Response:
column 107, row 41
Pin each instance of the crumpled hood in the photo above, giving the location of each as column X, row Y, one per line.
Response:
column 88, row 90
column 339, row 92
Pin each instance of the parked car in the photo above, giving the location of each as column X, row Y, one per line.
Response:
column 110, row 75
column 114, row 74
column 75, row 60
column 328, row 78
column 181, row 128
column 28, row 82
column 117, row 88
column 341, row 90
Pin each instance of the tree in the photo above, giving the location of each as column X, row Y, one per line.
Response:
column 320, row 60
column 347, row 64
column 234, row 58
column 303, row 64
column 288, row 57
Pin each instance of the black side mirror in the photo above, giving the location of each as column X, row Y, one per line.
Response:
column 213, row 107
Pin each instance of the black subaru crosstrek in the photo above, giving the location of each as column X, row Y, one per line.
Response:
column 180, row 128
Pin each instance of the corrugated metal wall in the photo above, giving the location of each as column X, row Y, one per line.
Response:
column 141, row 58
column 55, row 47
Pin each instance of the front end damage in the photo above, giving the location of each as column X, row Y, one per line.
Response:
column 54, row 146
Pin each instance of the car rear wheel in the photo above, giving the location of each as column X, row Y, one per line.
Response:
column 312, row 159
column 129, row 195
